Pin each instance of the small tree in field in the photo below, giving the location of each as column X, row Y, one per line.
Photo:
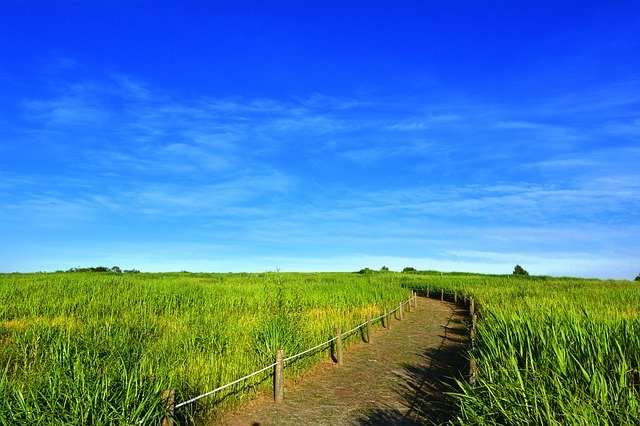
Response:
column 409, row 269
column 384, row 269
column 519, row 270
column 637, row 278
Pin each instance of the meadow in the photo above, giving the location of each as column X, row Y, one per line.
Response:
column 552, row 351
column 100, row 348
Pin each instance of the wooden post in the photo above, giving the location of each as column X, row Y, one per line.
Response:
column 400, row 313
column 409, row 306
column 339, row 345
column 472, row 306
column 278, row 378
column 427, row 291
column 387, row 319
column 442, row 294
column 368, row 328
column 415, row 300
column 473, row 327
column 473, row 371
column 169, row 397
column 455, row 296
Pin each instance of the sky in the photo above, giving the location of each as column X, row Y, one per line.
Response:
column 321, row 136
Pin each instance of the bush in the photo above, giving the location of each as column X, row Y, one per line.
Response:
column 384, row 269
column 409, row 269
column 637, row 278
column 519, row 270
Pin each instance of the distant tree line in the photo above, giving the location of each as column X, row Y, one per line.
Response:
column 385, row 269
column 372, row 271
column 113, row 269
column 518, row 270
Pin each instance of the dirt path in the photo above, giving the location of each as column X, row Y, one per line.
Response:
column 396, row 379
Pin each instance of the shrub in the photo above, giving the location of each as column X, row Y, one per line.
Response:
column 519, row 270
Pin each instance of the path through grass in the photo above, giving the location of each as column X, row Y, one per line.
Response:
column 397, row 379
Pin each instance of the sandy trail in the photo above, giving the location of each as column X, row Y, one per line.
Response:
column 396, row 379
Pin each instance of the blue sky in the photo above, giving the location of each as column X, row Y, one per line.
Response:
column 330, row 136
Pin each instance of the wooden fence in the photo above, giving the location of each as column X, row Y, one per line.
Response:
column 280, row 359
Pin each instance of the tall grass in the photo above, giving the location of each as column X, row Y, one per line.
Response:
column 551, row 351
column 89, row 348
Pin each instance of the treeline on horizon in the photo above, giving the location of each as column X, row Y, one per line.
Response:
column 114, row 269
column 518, row 271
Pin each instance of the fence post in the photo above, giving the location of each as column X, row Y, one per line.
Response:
column 442, row 294
column 339, row 345
column 455, row 297
column 169, row 397
column 415, row 300
column 427, row 291
column 409, row 305
column 278, row 378
column 400, row 313
column 472, row 306
column 368, row 328
column 387, row 318
column 473, row 371
column 474, row 320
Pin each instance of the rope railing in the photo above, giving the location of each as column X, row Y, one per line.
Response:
column 345, row 333
column 284, row 360
column 227, row 385
column 292, row 357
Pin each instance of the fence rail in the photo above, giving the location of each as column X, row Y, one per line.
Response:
column 171, row 406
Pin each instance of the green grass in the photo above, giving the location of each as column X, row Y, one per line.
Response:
column 550, row 351
column 99, row 348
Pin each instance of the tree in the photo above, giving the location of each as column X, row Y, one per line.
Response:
column 384, row 269
column 519, row 270
column 409, row 269
column 637, row 278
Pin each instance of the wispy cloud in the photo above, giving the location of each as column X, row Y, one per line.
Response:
column 448, row 186
column 607, row 101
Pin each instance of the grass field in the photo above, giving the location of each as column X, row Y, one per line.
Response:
column 551, row 351
column 99, row 348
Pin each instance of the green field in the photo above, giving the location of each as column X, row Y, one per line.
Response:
column 99, row 348
column 551, row 351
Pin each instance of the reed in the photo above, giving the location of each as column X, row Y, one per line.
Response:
column 550, row 351
column 100, row 348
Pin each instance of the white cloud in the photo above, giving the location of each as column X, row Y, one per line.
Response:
column 270, row 176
